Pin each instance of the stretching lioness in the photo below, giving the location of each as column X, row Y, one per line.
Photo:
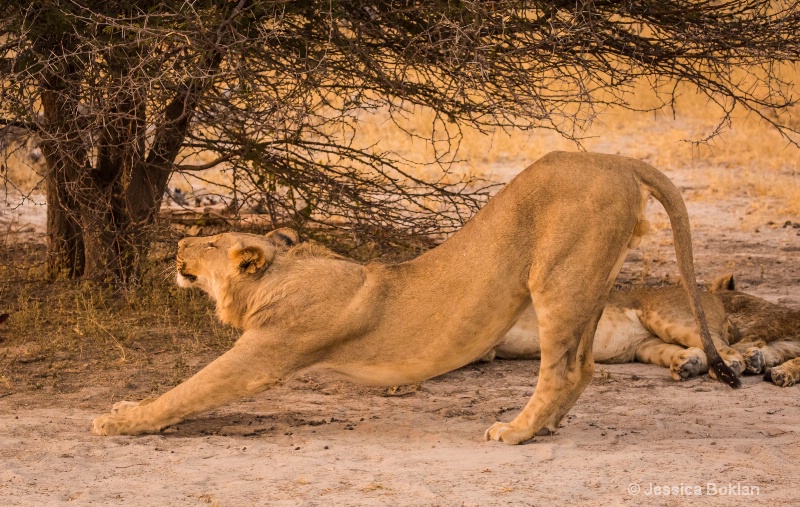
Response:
column 569, row 217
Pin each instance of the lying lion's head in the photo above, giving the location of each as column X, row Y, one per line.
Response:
column 206, row 262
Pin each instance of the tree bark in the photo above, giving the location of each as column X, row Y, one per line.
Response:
column 99, row 215
column 64, row 237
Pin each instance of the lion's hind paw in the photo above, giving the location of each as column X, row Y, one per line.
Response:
column 689, row 363
column 508, row 433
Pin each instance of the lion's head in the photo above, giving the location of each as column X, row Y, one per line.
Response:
column 246, row 272
column 212, row 262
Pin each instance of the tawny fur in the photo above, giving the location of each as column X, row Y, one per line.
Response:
column 556, row 235
column 769, row 333
column 647, row 325
column 656, row 326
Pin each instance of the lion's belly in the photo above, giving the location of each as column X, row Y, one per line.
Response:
column 619, row 334
column 386, row 374
column 411, row 360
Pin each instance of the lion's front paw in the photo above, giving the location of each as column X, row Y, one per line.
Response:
column 110, row 424
column 121, row 407
column 125, row 418
column 754, row 360
column 508, row 433
column 689, row 363
column 782, row 376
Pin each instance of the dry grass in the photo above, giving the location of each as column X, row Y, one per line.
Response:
column 749, row 156
column 147, row 338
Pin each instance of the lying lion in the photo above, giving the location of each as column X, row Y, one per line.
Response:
column 557, row 234
column 769, row 334
column 656, row 326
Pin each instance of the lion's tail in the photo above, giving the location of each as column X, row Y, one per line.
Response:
column 670, row 197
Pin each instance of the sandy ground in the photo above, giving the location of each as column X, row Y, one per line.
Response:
column 633, row 433
column 333, row 444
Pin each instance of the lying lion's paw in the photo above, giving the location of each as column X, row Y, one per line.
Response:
column 488, row 357
column 688, row 363
column 508, row 433
column 736, row 365
column 754, row 360
column 783, row 376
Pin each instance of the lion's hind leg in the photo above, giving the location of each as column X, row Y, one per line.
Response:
column 573, row 270
column 672, row 329
column 568, row 314
column 682, row 362
column 566, row 369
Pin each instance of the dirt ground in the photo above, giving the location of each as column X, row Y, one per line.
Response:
column 633, row 436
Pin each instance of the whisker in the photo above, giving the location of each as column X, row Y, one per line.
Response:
column 170, row 272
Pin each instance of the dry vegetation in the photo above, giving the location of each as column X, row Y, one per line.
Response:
column 59, row 332
column 746, row 154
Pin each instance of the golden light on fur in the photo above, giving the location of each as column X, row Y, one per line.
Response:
column 539, row 240
column 249, row 259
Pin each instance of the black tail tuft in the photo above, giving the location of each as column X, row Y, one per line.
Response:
column 725, row 374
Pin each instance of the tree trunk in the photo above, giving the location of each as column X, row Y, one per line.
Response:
column 94, row 231
column 104, row 188
column 65, row 241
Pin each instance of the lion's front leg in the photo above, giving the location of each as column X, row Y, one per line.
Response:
column 760, row 356
column 242, row 371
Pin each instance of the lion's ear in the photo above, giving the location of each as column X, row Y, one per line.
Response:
column 249, row 259
column 283, row 237
column 724, row 282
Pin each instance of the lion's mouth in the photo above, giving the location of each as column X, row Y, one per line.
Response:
column 188, row 277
